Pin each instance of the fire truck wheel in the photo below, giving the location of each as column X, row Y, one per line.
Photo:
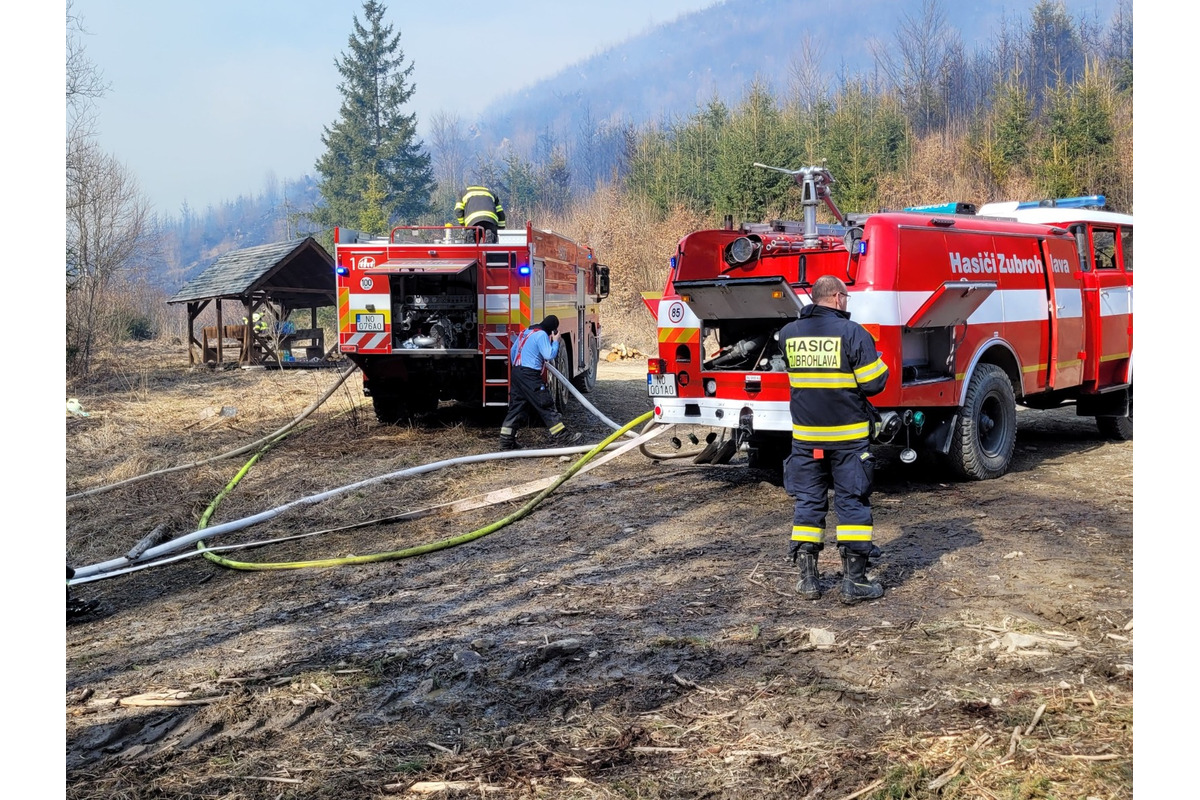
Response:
column 389, row 409
column 768, row 453
column 1119, row 429
column 986, row 433
column 562, row 363
column 587, row 381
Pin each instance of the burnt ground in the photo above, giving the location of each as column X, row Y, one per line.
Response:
column 634, row 635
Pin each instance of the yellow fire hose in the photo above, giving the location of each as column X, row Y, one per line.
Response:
column 417, row 550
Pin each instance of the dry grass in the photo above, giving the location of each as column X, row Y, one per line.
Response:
column 698, row 677
column 636, row 244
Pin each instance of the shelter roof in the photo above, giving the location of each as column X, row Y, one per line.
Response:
column 298, row 273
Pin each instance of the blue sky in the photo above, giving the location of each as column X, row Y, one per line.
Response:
column 206, row 99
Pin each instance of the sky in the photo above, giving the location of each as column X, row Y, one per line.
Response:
column 162, row 53
column 207, row 99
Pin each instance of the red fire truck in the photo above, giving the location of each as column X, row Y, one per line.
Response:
column 429, row 313
column 973, row 313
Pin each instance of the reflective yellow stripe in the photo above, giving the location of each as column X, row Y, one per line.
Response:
column 557, row 428
column 870, row 371
column 831, row 433
column 678, row 335
column 854, row 533
column 821, row 380
column 805, row 533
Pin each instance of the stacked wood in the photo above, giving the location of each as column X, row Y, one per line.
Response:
column 619, row 352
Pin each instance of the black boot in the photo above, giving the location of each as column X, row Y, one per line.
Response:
column 509, row 443
column 856, row 586
column 564, row 439
column 809, row 585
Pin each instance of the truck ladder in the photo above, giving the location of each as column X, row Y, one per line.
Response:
column 497, row 313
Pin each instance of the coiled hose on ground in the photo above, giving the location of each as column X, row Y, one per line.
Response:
column 159, row 554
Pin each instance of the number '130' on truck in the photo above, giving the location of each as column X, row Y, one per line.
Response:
column 974, row 311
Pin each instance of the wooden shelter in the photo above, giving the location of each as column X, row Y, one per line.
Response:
column 272, row 281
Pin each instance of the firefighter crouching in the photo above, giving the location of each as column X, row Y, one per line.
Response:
column 832, row 368
column 528, row 394
column 481, row 208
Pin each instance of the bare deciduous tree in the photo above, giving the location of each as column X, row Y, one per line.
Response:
column 806, row 79
column 916, row 68
column 107, row 217
column 108, row 230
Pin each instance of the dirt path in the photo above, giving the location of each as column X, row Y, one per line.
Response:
column 636, row 635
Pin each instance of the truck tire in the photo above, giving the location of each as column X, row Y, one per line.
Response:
column 768, row 452
column 562, row 363
column 586, row 382
column 389, row 409
column 1119, row 429
column 986, row 433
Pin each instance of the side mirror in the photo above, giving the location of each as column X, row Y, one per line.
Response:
column 602, row 283
column 852, row 239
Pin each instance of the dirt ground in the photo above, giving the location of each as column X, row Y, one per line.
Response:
column 634, row 635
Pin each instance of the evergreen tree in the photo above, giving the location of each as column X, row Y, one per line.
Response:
column 373, row 136
column 518, row 186
column 754, row 133
column 556, row 183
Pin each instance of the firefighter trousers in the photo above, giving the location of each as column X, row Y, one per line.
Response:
column 528, row 398
column 850, row 473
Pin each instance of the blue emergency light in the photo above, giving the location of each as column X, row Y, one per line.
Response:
column 342, row 270
column 944, row 208
column 1083, row 201
column 672, row 262
column 523, row 269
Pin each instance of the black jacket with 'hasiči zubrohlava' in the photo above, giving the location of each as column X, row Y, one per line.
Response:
column 833, row 368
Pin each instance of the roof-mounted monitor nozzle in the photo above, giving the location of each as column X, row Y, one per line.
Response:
column 814, row 183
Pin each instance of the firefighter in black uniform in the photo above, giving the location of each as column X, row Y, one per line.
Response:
column 833, row 368
column 527, row 392
column 480, row 207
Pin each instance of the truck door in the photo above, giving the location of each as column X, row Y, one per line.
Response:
column 1064, row 367
column 1107, row 303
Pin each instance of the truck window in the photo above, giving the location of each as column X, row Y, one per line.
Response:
column 1081, row 244
column 1127, row 248
column 1104, row 247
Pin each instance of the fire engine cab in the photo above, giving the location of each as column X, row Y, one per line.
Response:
column 973, row 311
column 429, row 313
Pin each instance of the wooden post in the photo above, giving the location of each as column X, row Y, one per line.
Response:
column 248, row 319
column 191, row 315
column 220, row 331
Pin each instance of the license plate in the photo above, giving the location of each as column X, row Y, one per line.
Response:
column 369, row 322
column 661, row 385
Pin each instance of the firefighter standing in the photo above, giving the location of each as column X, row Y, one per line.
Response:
column 832, row 368
column 528, row 393
column 480, row 207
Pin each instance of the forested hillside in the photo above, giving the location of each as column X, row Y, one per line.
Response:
column 904, row 103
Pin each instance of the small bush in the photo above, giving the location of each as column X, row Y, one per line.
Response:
column 140, row 329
